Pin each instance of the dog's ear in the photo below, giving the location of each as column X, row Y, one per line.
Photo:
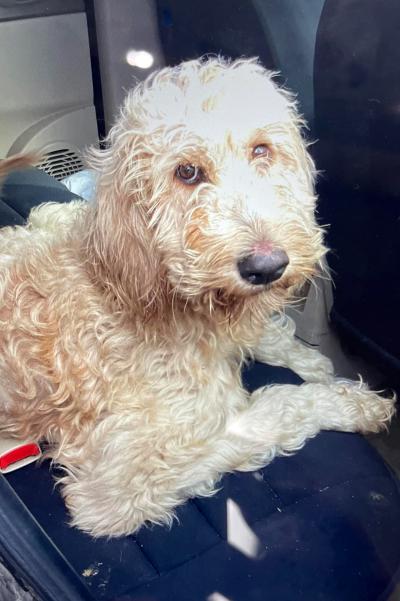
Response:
column 119, row 243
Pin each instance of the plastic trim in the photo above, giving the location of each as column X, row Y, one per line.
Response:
column 31, row 555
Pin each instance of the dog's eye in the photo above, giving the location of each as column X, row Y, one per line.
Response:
column 261, row 150
column 189, row 174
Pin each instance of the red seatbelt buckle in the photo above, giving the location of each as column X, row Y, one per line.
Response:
column 17, row 453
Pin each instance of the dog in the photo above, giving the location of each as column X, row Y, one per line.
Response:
column 124, row 323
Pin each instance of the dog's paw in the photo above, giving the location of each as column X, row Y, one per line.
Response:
column 362, row 409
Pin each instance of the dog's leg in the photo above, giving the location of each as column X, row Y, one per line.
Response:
column 279, row 346
column 123, row 481
column 281, row 418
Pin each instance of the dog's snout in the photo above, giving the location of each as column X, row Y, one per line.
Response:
column 260, row 269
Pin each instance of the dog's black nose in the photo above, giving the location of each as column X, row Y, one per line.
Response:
column 260, row 269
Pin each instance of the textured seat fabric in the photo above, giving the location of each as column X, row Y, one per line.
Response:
column 323, row 524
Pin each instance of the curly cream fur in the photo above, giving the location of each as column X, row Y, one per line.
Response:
column 124, row 324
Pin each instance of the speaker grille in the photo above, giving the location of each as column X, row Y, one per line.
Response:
column 61, row 162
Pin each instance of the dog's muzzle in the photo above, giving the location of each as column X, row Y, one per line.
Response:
column 260, row 269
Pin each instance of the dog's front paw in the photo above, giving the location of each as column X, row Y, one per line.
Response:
column 362, row 409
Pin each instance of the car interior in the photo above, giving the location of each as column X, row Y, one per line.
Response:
column 323, row 523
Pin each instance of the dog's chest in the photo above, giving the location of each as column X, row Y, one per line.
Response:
column 187, row 382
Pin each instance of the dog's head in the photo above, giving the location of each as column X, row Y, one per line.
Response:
column 206, row 190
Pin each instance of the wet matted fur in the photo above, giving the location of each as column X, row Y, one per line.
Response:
column 124, row 323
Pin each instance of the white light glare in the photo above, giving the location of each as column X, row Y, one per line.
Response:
column 139, row 58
